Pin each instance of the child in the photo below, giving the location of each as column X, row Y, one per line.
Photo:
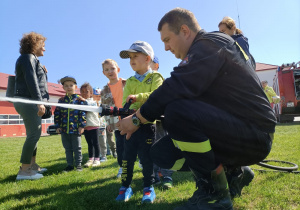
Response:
column 70, row 123
column 167, row 181
column 102, row 129
column 112, row 95
column 138, row 88
column 91, row 131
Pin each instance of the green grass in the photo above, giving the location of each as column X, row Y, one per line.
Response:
column 97, row 188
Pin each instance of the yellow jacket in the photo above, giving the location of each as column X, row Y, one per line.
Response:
column 270, row 93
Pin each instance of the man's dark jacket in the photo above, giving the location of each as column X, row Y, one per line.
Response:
column 215, row 71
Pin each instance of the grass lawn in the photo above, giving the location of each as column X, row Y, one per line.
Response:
column 97, row 188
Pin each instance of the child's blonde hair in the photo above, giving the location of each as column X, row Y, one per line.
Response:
column 230, row 23
column 111, row 61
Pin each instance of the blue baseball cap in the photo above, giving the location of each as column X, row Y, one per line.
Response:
column 96, row 91
column 155, row 59
column 68, row 78
column 138, row 46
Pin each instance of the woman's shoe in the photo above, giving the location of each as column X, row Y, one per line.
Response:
column 28, row 174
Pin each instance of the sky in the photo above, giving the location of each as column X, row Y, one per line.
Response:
column 81, row 34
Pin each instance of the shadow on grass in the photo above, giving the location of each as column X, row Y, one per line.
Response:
column 81, row 195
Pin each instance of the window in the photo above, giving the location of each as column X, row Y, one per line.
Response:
column 3, row 116
column 14, row 116
column 14, row 119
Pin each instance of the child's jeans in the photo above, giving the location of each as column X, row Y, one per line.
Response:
column 120, row 139
column 72, row 144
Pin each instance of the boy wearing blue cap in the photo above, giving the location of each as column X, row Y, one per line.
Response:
column 70, row 123
column 102, row 129
column 138, row 88
column 167, row 181
column 155, row 64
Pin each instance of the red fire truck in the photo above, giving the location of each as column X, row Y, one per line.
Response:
column 286, row 84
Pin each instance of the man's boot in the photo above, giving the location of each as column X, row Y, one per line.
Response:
column 238, row 178
column 212, row 192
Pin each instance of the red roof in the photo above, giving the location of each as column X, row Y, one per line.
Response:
column 263, row 67
column 53, row 88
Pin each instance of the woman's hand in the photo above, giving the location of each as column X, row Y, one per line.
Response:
column 46, row 71
column 42, row 110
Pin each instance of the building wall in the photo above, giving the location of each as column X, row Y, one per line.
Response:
column 267, row 75
column 11, row 123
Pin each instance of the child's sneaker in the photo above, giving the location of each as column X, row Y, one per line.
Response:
column 68, row 168
column 28, row 174
column 156, row 181
column 37, row 168
column 119, row 172
column 167, row 183
column 89, row 163
column 103, row 159
column 125, row 194
column 148, row 195
column 96, row 163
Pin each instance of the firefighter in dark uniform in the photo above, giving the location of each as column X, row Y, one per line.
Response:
column 215, row 112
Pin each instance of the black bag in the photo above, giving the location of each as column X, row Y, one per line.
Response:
column 48, row 112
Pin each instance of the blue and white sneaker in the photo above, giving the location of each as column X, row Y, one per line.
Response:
column 149, row 195
column 103, row 159
column 125, row 194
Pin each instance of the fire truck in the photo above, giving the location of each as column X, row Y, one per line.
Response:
column 286, row 84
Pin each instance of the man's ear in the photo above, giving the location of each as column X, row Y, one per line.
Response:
column 185, row 30
column 118, row 70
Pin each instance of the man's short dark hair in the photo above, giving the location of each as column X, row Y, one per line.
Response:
column 177, row 17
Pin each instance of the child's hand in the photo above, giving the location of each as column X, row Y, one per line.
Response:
column 58, row 130
column 108, row 128
column 80, row 98
column 133, row 97
column 80, row 130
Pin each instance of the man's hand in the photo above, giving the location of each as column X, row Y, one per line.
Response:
column 58, row 130
column 42, row 110
column 80, row 130
column 133, row 97
column 126, row 126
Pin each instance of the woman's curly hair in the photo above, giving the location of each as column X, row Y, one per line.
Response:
column 30, row 42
